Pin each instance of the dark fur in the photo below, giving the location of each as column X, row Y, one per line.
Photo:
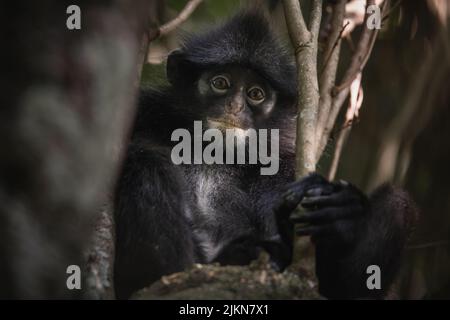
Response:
column 245, row 40
column 161, row 228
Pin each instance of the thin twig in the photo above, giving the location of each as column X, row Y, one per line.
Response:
column 359, row 59
column 166, row 28
column 328, row 74
column 362, row 53
column 355, row 102
column 442, row 243
column 328, row 56
column 341, row 140
column 176, row 22
column 391, row 9
column 182, row 17
column 363, row 61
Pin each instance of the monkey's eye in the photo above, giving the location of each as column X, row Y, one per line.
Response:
column 256, row 95
column 220, row 84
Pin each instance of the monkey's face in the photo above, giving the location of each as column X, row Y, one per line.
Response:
column 234, row 97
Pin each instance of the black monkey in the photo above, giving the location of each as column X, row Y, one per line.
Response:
column 169, row 216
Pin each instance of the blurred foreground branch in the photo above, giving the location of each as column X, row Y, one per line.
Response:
column 419, row 105
column 67, row 103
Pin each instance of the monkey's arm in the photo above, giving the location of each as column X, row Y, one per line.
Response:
column 152, row 233
column 352, row 232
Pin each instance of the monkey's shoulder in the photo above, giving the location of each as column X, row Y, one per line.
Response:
column 158, row 114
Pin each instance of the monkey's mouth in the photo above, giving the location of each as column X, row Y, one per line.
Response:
column 221, row 123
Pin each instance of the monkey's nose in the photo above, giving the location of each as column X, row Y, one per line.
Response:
column 235, row 106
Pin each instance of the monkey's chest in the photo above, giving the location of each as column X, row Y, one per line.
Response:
column 221, row 208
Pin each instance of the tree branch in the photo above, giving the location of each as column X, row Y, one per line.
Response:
column 331, row 61
column 340, row 93
column 305, row 44
column 359, row 61
column 155, row 32
column 316, row 16
column 362, row 52
column 182, row 17
column 297, row 29
column 354, row 104
column 226, row 282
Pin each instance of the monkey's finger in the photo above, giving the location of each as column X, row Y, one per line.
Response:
column 320, row 190
column 328, row 215
column 313, row 230
column 286, row 205
column 335, row 199
column 295, row 193
column 308, row 182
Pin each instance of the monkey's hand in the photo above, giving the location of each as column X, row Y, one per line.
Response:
column 350, row 232
column 332, row 211
column 335, row 215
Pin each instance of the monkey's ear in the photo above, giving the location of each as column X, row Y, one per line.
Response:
column 178, row 69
